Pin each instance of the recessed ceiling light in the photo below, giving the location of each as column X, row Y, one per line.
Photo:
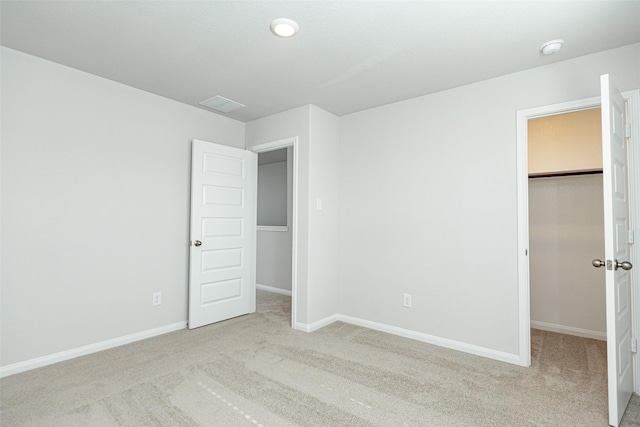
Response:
column 549, row 48
column 284, row 27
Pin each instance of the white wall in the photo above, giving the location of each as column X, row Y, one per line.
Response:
column 428, row 201
column 566, row 231
column 318, row 142
column 273, row 259
column 292, row 123
column 324, row 154
column 418, row 196
column 272, row 194
column 565, row 142
column 95, row 206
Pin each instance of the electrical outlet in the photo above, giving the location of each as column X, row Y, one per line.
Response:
column 407, row 300
column 157, row 298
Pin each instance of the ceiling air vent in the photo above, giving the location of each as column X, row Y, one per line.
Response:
column 221, row 104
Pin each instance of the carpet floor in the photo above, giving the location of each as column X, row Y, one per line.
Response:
column 255, row 370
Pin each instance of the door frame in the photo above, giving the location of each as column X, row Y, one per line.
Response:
column 522, row 171
column 277, row 145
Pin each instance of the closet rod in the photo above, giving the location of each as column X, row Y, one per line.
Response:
column 557, row 174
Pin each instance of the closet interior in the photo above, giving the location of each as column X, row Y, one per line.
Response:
column 566, row 224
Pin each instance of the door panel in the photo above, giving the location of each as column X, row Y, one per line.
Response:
column 223, row 220
column 616, row 219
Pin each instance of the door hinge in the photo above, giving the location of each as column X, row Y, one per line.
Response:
column 627, row 130
column 634, row 345
column 632, row 237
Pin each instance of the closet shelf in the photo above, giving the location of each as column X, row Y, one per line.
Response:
column 279, row 228
column 570, row 173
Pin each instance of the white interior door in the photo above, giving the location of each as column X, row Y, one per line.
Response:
column 222, row 268
column 616, row 226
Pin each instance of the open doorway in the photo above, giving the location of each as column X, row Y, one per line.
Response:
column 621, row 185
column 276, row 249
column 566, row 224
column 523, row 119
column 274, row 242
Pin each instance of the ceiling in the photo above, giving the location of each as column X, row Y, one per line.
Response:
column 348, row 55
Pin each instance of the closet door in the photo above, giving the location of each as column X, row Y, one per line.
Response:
column 222, row 270
column 617, row 254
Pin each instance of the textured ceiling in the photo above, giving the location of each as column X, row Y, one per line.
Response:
column 348, row 55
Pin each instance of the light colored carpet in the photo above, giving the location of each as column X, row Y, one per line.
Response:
column 255, row 370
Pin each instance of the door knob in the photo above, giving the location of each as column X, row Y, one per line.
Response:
column 625, row 265
column 197, row 243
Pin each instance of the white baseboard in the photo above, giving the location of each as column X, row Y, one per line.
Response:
column 38, row 362
column 430, row 339
column 569, row 330
column 306, row 327
column 273, row 289
column 418, row 336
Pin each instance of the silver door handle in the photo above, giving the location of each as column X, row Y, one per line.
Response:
column 197, row 243
column 625, row 265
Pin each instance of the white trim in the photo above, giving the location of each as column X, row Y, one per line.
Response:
column 38, row 362
column 569, row 330
column 524, row 315
column 278, row 228
column 305, row 327
column 418, row 336
column 522, row 171
column 276, row 145
column 633, row 100
column 273, row 289
column 430, row 339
